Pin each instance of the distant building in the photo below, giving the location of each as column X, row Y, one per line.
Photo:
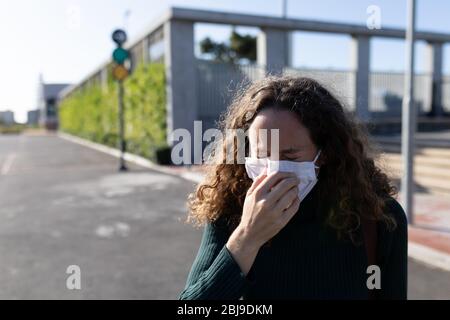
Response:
column 48, row 103
column 7, row 117
column 33, row 117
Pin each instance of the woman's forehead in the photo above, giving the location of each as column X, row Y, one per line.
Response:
column 292, row 133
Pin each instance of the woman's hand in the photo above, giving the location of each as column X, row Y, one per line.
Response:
column 270, row 203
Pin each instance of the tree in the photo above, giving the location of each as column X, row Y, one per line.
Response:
column 237, row 48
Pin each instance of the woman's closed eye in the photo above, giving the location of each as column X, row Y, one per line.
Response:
column 291, row 156
column 298, row 159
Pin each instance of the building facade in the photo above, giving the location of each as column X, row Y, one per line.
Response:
column 7, row 117
column 33, row 117
column 48, row 98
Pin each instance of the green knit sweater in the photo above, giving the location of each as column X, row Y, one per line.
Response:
column 305, row 260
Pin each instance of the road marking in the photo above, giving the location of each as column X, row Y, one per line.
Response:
column 7, row 164
column 429, row 256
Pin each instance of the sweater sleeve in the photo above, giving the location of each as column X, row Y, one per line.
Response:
column 214, row 274
column 394, row 276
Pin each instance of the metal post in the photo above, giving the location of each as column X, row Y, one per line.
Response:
column 122, row 143
column 409, row 118
column 284, row 12
column 287, row 38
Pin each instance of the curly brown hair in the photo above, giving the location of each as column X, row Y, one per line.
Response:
column 350, row 183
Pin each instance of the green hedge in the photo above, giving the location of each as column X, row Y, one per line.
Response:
column 91, row 113
column 12, row 129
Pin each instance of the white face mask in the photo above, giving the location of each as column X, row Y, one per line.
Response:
column 305, row 171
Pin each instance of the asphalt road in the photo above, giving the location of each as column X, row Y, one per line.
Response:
column 62, row 204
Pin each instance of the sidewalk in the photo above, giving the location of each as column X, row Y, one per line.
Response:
column 431, row 230
column 429, row 238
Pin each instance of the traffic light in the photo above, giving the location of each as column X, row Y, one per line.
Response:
column 119, row 72
column 120, row 56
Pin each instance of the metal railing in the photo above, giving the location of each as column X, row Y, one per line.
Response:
column 217, row 83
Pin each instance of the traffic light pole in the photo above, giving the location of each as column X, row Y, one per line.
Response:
column 122, row 144
column 119, row 72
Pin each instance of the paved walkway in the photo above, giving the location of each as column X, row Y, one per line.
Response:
column 65, row 204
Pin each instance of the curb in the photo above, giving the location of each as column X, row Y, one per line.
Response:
column 416, row 251
column 141, row 161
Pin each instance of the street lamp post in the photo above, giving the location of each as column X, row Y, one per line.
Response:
column 288, row 36
column 284, row 12
column 409, row 118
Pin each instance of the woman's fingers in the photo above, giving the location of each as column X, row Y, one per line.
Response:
column 282, row 188
column 273, row 201
column 257, row 181
column 271, row 180
column 287, row 215
column 286, row 200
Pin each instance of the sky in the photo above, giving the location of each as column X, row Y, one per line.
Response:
column 64, row 40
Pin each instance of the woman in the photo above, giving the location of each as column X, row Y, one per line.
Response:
column 277, row 237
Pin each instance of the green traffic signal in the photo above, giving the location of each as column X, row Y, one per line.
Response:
column 120, row 55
